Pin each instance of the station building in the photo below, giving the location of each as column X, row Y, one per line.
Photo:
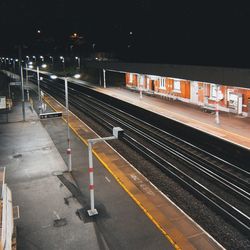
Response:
column 231, row 99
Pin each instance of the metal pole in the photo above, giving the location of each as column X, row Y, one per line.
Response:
column 23, row 103
column 38, row 89
column 217, row 118
column 79, row 63
column 100, row 77
column 104, row 78
column 68, row 132
column 26, row 74
column 63, row 66
column 140, row 91
column 92, row 210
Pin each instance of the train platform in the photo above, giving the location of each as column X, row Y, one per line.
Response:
column 233, row 128
column 117, row 181
column 53, row 205
column 33, row 165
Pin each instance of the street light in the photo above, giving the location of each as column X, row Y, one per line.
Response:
column 79, row 61
column 42, row 58
column 38, row 86
column 14, row 64
column 77, row 76
column 63, row 62
column 52, row 61
column 22, row 86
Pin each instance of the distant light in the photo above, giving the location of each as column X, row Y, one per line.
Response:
column 31, row 66
column 53, row 77
column 75, row 34
column 34, row 57
column 61, row 57
column 16, row 60
column 38, row 31
column 76, row 57
column 130, row 33
column 44, row 66
column 41, row 57
column 77, row 76
column 96, row 58
column 30, row 63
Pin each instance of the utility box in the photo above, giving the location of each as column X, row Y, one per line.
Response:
column 235, row 103
column 118, row 132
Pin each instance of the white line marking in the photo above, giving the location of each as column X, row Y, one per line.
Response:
column 108, row 180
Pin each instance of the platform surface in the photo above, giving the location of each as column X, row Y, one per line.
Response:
column 33, row 167
column 175, row 225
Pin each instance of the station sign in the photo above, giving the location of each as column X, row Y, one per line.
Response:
column 50, row 115
column 2, row 102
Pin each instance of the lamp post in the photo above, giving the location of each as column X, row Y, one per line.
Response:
column 52, row 61
column 23, row 104
column 79, row 61
column 38, row 86
column 14, row 64
column 63, row 62
column 77, row 76
column 104, row 78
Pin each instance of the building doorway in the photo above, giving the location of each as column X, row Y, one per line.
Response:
column 194, row 88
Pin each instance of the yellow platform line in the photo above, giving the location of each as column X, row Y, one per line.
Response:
column 167, row 236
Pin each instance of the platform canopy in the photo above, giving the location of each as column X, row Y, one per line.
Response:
column 218, row 75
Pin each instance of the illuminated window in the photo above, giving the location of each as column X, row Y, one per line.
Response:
column 177, row 85
column 162, row 83
column 130, row 77
column 213, row 90
column 141, row 81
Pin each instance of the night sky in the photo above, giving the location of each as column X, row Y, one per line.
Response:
column 182, row 32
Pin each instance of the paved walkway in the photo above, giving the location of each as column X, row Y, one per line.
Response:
column 32, row 162
column 49, row 200
column 177, row 227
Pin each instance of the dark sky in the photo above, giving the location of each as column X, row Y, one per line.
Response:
column 192, row 32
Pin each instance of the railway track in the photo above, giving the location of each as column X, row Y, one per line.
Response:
column 220, row 184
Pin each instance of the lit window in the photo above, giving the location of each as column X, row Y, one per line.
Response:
column 141, row 80
column 213, row 90
column 177, row 85
column 162, row 83
column 130, row 77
